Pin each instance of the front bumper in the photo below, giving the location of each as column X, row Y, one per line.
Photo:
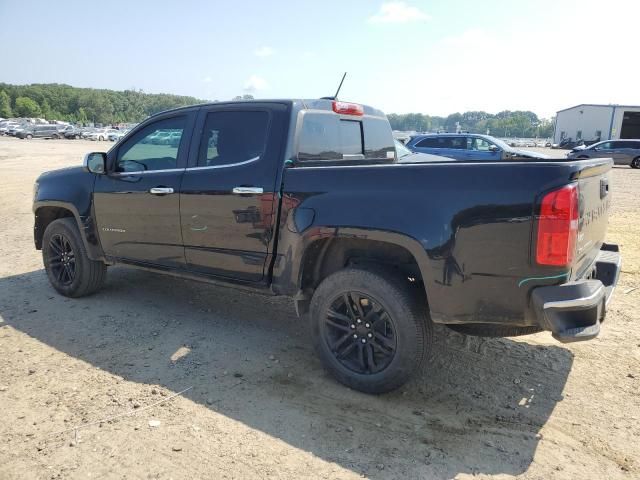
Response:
column 574, row 311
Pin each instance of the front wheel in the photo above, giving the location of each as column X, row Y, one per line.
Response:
column 29, row 137
column 71, row 272
column 635, row 163
column 100, row 139
column 369, row 328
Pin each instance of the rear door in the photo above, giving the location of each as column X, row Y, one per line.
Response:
column 229, row 197
column 623, row 152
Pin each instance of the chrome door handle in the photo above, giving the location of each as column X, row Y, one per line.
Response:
column 248, row 190
column 161, row 190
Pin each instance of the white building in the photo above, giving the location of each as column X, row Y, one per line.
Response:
column 591, row 122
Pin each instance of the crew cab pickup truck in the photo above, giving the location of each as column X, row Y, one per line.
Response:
column 306, row 198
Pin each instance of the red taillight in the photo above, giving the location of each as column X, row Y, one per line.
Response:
column 558, row 227
column 345, row 108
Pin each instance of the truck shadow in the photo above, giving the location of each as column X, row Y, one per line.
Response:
column 476, row 408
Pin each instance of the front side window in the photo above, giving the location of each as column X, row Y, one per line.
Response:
column 480, row 144
column 233, row 137
column 604, row 146
column 155, row 147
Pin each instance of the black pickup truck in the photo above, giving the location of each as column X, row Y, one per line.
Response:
column 306, row 198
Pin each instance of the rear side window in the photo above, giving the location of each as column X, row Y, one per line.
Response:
column 459, row 143
column 443, row 142
column 233, row 137
column 432, row 143
column 329, row 137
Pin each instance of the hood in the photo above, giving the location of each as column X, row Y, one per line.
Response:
column 529, row 154
column 62, row 172
column 423, row 158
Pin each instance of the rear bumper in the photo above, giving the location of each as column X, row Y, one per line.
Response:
column 574, row 311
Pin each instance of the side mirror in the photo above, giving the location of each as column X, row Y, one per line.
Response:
column 96, row 162
column 493, row 148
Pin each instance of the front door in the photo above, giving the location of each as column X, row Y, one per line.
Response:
column 228, row 199
column 137, row 203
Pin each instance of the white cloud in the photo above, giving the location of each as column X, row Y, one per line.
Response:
column 398, row 12
column 207, row 79
column 255, row 83
column 264, row 52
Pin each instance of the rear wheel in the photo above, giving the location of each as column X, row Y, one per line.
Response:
column 370, row 328
column 77, row 137
column 71, row 272
column 29, row 137
column 100, row 138
column 635, row 163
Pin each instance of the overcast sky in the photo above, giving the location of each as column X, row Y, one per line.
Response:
column 405, row 56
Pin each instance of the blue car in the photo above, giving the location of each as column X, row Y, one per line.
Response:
column 468, row 147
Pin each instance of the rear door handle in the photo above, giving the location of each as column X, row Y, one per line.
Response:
column 248, row 190
column 161, row 191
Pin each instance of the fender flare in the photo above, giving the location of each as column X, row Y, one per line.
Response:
column 86, row 227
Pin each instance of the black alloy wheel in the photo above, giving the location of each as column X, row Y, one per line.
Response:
column 62, row 260
column 360, row 333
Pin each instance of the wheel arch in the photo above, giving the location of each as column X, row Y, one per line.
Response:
column 328, row 250
column 48, row 211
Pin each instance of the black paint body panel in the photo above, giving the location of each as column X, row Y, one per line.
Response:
column 469, row 226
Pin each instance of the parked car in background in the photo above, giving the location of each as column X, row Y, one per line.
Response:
column 568, row 144
column 39, row 131
column 468, row 146
column 15, row 129
column 115, row 135
column 72, row 132
column 623, row 152
column 407, row 156
column 6, row 126
column 100, row 134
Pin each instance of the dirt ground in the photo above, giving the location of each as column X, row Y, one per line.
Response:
column 258, row 403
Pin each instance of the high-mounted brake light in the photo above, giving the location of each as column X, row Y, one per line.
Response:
column 345, row 108
column 558, row 227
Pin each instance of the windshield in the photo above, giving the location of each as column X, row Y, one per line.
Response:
column 401, row 150
column 500, row 144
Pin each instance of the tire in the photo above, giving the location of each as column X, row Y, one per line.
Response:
column 635, row 163
column 485, row 330
column 375, row 356
column 55, row 137
column 100, row 139
column 62, row 244
column 29, row 137
column 77, row 137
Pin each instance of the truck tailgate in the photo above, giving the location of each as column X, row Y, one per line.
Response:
column 594, row 200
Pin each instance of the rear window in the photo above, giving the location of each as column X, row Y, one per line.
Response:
column 329, row 137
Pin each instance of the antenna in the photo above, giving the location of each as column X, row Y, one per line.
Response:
column 340, row 86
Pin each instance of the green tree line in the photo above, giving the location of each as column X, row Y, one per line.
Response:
column 84, row 105
column 503, row 124
column 90, row 105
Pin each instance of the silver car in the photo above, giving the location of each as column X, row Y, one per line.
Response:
column 623, row 152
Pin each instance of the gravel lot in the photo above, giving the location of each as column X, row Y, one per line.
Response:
column 259, row 405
